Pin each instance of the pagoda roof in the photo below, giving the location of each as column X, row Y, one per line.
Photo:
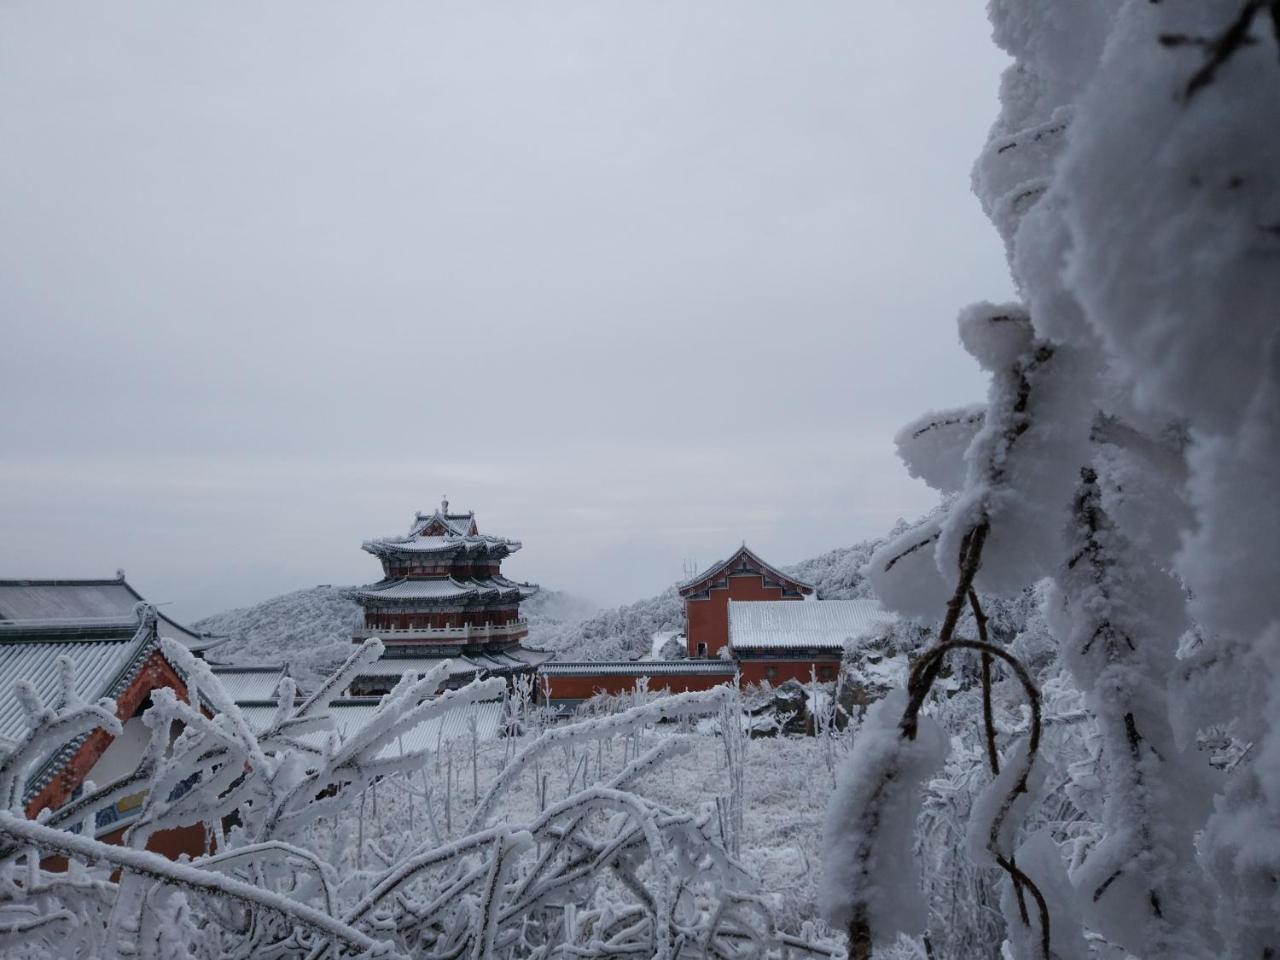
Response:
column 743, row 561
column 446, row 588
column 441, row 532
column 45, row 603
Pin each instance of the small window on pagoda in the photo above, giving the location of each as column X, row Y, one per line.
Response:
column 702, row 649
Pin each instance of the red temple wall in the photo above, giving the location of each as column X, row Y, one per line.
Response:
column 779, row 671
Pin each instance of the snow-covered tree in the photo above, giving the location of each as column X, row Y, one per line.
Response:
column 1132, row 174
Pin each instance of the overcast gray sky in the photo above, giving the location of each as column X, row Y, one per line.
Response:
column 634, row 280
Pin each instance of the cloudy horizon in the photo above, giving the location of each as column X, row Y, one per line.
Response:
column 635, row 282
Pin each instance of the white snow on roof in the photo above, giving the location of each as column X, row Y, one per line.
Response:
column 249, row 683
column 96, row 663
column 440, row 588
column 439, row 544
column 788, row 624
column 69, row 600
column 420, row 666
column 350, row 716
column 66, row 600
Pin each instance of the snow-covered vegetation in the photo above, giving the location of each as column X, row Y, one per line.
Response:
column 1124, row 466
column 364, row 848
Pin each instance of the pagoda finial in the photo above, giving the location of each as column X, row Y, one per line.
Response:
column 444, row 504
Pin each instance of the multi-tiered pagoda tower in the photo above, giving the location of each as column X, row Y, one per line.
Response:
column 443, row 596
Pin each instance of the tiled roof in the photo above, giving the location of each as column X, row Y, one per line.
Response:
column 444, row 588
column 460, row 524
column 249, row 683
column 97, row 663
column 351, row 715
column 637, row 668
column 441, row 544
column 59, row 600
column 791, row 624
column 399, row 666
column 742, row 560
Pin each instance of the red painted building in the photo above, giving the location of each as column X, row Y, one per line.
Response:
column 742, row 577
column 741, row 625
column 113, row 641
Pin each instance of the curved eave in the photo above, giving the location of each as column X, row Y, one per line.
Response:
column 496, row 549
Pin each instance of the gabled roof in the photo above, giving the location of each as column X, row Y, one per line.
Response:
column 28, row 602
column 742, row 561
column 788, row 625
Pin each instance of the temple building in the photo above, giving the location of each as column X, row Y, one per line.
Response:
column 742, row 625
column 742, row 577
column 443, row 597
column 112, row 638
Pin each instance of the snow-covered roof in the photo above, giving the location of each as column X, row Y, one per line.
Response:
column 351, row 715
column 382, row 546
column 637, row 668
column 442, row 532
column 249, row 683
column 742, row 561
column 786, row 624
column 445, row 588
column 30, row 601
column 420, row 666
column 99, row 659
column 457, row 524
